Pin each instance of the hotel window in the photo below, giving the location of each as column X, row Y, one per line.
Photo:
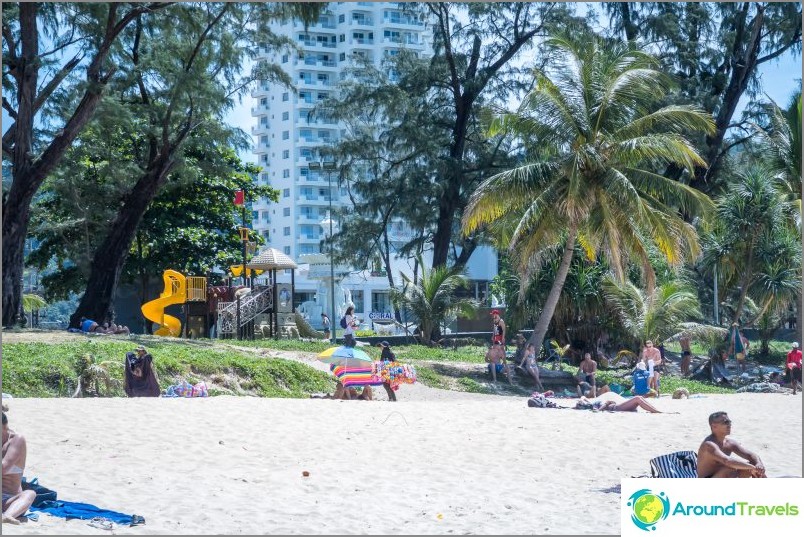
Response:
column 286, row 211
column 286, row 153
column 286, row 231
column 285, row 116
column 285, row 96
column 285, row 173
column 286, row 193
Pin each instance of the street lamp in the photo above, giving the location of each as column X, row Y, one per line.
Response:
column 329, row 166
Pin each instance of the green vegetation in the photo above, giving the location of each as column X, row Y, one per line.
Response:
column 48, row 370
column 471, row 385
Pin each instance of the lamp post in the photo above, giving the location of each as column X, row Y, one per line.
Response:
column 329, row 166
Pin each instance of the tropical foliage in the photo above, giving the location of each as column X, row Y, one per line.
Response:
column 598, row 136
column 432, row 299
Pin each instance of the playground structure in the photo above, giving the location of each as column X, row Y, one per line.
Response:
column 179, row 290
column 228, row 311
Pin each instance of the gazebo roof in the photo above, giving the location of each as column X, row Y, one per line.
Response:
column 271, row 258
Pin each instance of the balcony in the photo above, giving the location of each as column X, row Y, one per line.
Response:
column 401, row 20
column 309, row 239
column 257, row 130
column 259, row 110
column 361, row 21
column 361, row 41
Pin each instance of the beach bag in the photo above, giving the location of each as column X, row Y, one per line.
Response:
column 343, row 322
column 538, row 400
column 43, row 494
column 679, row 464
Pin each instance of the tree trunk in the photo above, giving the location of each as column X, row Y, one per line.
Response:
column 749, row 267
column 112, row 253
column 550, row 304
column 15, row 229
column 744, row 64
column 28, row 172
column 447, row 208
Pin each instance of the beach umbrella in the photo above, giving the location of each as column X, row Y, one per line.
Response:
column 345, row 357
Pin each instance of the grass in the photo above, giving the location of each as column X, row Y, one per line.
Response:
column 229, row 367
column 48, row 370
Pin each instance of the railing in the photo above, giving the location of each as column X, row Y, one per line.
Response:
column 230, row 319
column 196, row 289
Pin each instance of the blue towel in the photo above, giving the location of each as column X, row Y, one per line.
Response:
column 82, row 511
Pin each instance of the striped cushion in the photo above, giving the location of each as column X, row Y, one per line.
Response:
column 678, row 464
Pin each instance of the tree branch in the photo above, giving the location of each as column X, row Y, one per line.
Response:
column 54, row 82
column 796, row 38
column 9, row 108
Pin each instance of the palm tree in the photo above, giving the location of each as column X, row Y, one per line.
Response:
column 751, row 240
column 600, row 137
column 433, row 298
column 656, row 315
column 782, row 142
column 91, row 372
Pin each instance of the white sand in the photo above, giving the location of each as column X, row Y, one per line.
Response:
column 435, row 462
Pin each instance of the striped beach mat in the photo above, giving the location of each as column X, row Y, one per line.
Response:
column 678, row 464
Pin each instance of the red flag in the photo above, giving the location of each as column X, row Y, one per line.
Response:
column 240, row 197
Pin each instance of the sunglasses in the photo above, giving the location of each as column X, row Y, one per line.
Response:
column 724, row 422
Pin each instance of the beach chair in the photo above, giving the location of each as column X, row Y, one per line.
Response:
column 682, row 464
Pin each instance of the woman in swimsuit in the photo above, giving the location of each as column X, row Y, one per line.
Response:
column 531, row 367
column 15, row 500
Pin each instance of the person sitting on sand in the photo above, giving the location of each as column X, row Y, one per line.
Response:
column 15, row 500
column 641, row 380
column 495, row 357
column 531, row 367
column 140, row 379
column 616, row 403
column 714, row 455
column 587, row 372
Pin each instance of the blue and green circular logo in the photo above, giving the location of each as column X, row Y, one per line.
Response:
column 648, row 508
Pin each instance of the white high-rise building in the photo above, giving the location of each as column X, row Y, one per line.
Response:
column 287, row 137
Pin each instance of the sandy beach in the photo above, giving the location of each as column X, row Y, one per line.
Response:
column 436, row 462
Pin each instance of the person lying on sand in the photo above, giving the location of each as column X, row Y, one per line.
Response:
column 15, row 500
column 714, row 455
column 614, row 402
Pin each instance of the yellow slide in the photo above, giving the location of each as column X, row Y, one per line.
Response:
column 175, row 293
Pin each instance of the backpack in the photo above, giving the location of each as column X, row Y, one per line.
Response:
column 343, row 322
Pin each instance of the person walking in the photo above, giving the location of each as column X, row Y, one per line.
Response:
column 326, row 324
column 349, row 328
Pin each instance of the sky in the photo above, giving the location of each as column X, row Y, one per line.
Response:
column 779, row 79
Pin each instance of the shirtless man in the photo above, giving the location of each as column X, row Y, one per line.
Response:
column 653, row 359
column 495, row 357
column 714, row 455
column 15, row 500
column 586, row 373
